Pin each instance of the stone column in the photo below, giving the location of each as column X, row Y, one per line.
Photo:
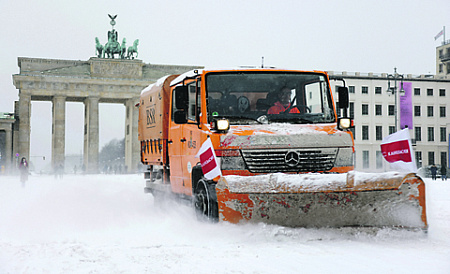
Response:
column 8, row 151
column 91, row 135
column 132, row 146
column 58, row 131
column 24, row 125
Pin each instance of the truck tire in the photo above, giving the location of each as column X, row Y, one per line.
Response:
column 205, row 201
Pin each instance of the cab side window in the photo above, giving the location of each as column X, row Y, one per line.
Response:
column 194, row 102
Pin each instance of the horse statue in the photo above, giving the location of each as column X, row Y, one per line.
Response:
column 133, row 49
column 112, row 46
column 98, row 48
column 123, row 49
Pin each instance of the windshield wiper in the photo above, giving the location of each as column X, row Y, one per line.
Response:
column 290, row 118
column 242, row 117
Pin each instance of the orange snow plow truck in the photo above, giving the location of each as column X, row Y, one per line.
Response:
column 285, row 153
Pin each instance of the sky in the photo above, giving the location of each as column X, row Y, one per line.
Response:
column 349, row 35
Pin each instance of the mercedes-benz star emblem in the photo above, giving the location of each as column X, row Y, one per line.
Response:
column 292, row 158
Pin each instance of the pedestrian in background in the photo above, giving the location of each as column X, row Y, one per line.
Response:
column 444, row 173
column 23, row 168
column 433, row 170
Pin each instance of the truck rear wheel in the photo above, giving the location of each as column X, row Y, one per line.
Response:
column 205, row 201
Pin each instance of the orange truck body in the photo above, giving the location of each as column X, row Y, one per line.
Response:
column 256, row 147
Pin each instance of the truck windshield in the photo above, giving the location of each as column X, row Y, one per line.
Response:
column 292, row 97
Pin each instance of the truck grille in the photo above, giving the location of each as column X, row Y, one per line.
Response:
column 283, row 160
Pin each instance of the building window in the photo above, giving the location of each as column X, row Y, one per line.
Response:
column 417, row 91
column 352, row 110
column 365, row 159
column 443, row 158
column 442, row 112
column 443, row 134
column 378, row 110
column 365, row 132
column 430, row 134
column 365, row 90
column 377, row 90
column 417, row 111
column 419, row 159
column 379, row 133
column 429, row 92
column 391, row 130
column 442, row 92
column 418, row 134
column 430, row 111
column 441, row 68
column 365, row 109
column 351, row 89
column 379, row 157
column 430, row 158
column 391, row 110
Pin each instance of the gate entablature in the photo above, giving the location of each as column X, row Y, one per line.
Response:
column 112, row 82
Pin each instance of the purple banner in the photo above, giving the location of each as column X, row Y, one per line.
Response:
column 406, row 118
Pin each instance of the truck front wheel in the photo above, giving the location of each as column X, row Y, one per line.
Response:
column 205, row 201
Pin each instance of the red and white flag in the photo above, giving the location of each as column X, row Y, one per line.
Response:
column 397, row 150
column 439, row 34
column 208, row 160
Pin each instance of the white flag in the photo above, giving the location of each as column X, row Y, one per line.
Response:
column 397, row 150
column 208, row 160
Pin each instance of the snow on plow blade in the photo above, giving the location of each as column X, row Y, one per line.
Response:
column 324, row 200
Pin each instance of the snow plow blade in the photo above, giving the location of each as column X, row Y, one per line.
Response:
column 358, row 199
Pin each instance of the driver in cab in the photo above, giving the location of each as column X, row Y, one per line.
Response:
column 283, row 103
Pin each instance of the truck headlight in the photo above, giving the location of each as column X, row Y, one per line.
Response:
column 220, row 124
column 345, row 123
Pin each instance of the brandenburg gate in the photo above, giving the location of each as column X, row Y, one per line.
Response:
column 101, row 79
column 95, row 81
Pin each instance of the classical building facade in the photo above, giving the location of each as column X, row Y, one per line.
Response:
column 443, row 59
column 373, row 107
column 91, row 82
column 7, row 122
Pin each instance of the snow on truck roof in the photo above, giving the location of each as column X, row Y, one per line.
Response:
column 185, row 75
column 158, row 82
column 194, row 72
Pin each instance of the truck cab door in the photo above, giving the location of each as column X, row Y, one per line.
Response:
column 185, row 136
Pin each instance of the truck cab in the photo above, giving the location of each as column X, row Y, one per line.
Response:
column 259, row 120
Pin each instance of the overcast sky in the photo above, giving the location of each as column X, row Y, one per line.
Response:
column 364, row 36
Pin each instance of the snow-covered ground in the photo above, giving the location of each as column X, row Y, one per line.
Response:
column 106, row 224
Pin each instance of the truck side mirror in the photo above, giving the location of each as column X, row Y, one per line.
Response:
column 181, row 97
column 343, row 97
column 179, row 117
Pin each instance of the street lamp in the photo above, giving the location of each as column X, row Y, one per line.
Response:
column 393, row 91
